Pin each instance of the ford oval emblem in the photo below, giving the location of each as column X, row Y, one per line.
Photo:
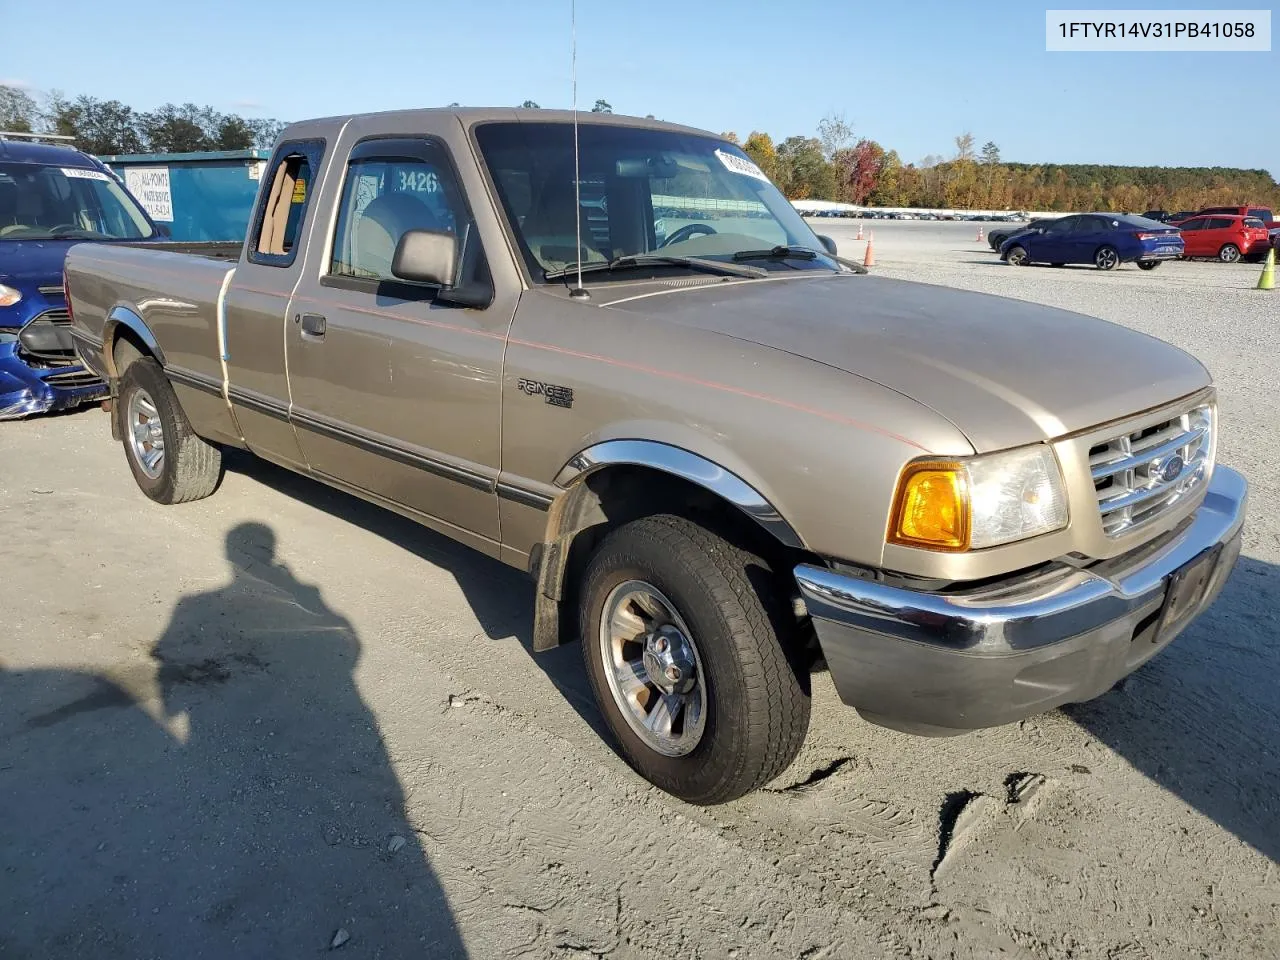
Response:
column 1168, row 470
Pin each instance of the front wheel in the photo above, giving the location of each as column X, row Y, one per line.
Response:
column 1229, row 253
column 1148, row 264
column 693, row 659
column 1106, row 258
column 170, row 463
column 1018, row 256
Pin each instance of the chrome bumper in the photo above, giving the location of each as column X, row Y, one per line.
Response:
column 946, row 662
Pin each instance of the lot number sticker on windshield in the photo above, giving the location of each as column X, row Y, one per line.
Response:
column 79, row 173
column 736, row 164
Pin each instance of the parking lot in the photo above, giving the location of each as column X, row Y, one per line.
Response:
column 279, row 721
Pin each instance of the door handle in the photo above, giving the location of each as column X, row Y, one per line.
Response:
column 313, row 326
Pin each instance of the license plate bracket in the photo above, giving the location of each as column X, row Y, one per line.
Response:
column 1187, row 587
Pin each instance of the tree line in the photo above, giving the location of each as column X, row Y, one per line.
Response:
column 106, row 127
column 836, row 165
column 833, row 165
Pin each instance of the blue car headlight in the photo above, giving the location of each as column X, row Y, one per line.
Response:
column 9, row 296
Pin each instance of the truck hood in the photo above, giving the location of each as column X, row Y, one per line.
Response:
column 1005, row 372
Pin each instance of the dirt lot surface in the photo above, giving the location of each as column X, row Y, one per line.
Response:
column 279, row 722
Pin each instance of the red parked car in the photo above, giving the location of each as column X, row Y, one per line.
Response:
column 1228, row 238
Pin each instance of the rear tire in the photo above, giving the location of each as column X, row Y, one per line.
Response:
column 1018, row 257
column 169, row 462
column 1106, row 258
column 1148, row 264
column 746, row 715
column 1229, row 253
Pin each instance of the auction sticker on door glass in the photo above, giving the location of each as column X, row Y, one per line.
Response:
column 735, row 164
column 79, row 173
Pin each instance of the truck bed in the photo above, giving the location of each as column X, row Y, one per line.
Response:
column 171, row 288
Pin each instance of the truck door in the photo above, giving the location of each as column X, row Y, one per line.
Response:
column 396, row 392
column 257, row 302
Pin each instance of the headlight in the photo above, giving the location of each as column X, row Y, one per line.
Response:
column 979, row 501
column 9, row 296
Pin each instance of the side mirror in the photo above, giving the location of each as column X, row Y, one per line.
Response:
column 828, row 244
column 426, row 256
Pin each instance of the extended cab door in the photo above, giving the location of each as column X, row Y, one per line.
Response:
column 257, row 301
column 396, row 391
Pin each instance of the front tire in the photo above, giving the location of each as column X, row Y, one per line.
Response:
column 1106, row 258
column 169, row 462
column 1229, row 253
column 1148, row 264
column 693, row 659
column 1018, row 257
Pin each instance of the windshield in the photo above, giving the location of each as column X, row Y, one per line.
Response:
column 43, row 202
column 641, row 191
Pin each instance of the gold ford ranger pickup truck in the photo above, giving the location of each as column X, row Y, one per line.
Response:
column 728, row 457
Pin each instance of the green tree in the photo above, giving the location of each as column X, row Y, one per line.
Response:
column 759, row 147
column 887, row 191
column 804, row 171
column 602, row 106
column 98, row 126
column 530, row 105
column 18, row 111
column 173, row 129
column 990, row 153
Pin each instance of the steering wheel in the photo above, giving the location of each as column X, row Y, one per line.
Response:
column 687, row 231
column 65, row 228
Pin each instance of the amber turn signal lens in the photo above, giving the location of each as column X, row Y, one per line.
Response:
column 931, row 508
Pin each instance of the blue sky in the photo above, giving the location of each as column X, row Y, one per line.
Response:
column 911, row 75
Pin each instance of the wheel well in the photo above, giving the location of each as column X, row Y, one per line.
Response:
column 613, row 496
column 126, row 347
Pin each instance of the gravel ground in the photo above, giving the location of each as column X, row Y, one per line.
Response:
column 278, row 722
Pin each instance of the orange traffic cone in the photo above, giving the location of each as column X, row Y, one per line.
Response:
column 859, row 236
column 869, row 259
column 979, row 233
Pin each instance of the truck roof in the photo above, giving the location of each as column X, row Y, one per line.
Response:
column 20, row 151
column 470, row 116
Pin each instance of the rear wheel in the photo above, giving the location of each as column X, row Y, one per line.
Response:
column 692, row 658
column 170, row 463
column 1148, row 264
column 1106, row 258
column 1018, row 256
column 1229, row 253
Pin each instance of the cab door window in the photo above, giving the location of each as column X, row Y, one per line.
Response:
column 283, row 204
column 392, row 187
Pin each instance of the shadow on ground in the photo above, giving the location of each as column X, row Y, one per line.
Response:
column 500, row 597
column 1201, row 719
column 230, row 795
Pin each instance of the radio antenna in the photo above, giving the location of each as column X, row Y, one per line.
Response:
column 578, row 292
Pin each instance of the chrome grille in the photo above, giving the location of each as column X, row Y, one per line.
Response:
column 1137, row 476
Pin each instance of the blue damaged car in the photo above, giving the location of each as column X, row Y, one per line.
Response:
column 51, row 197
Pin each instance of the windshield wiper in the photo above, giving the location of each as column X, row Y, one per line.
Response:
column 634, row 261
column 784, row 252
column 780, row 252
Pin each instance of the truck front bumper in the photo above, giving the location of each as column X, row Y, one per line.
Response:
column 942, row 663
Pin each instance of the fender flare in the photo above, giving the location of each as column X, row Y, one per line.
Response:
column 550, row 559
column 689, row 466
column 124, row 316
